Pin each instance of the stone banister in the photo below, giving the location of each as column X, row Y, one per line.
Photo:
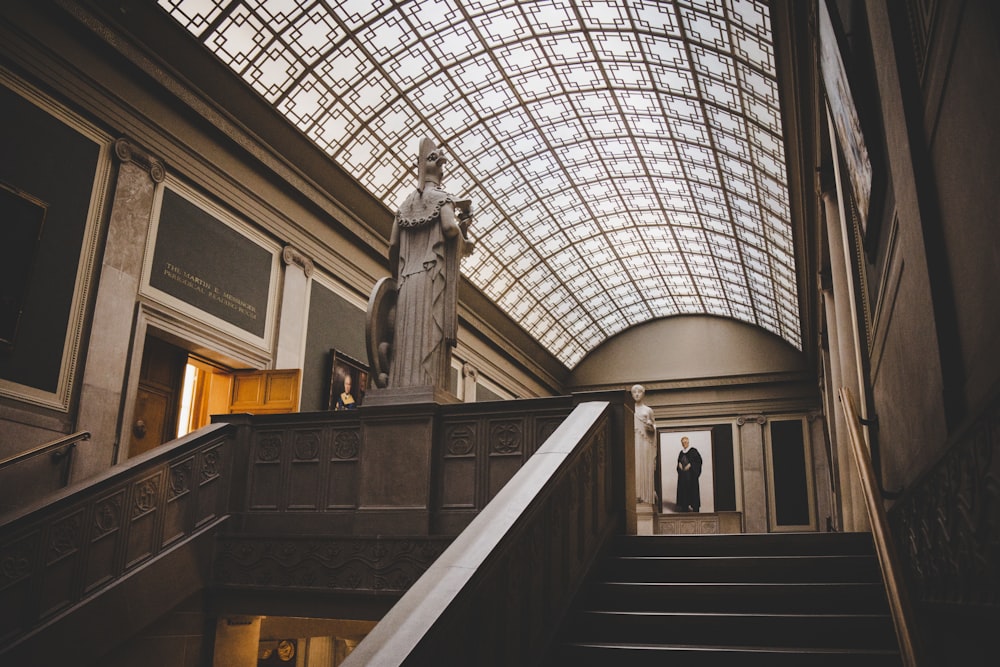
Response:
column 498, row 593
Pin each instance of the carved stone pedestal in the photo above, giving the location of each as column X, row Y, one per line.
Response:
column 409, row 395
column 394, row 494
column 703, row 523
column 644, row 518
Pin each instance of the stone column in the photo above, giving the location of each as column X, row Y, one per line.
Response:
column 842, row 462
column 821, row 470
column 104, row 377
column 469, row 378
column 237, row 641
column 320, row 652
column 754, row 473
column 294, row 296
column 846, row 325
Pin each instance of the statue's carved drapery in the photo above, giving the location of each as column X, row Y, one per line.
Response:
column 412, row 320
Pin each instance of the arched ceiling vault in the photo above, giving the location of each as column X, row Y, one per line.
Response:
column 625, row 159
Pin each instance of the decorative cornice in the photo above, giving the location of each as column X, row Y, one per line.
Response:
column 780, row 377
column 292, row 255
column 127, row 151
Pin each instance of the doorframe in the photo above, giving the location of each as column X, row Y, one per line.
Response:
column 772, row 514
column 707, row 422
column 198, row 339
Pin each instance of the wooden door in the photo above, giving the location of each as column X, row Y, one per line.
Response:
column 154, row 419
column 254, row 392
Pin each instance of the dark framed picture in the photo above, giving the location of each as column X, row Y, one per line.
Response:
column 348, row 382
column 686, row 476
column 20, row 235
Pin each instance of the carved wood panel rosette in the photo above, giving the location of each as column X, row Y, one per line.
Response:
column 505, row 437
column 461, row 466
column 460, row 439
column 211, row 490
column 64, row 538
column 180, row 478
column 342, row 479
column 361, row 564
column 303, row 487
column 505, row 454
column 178, row 507
column 947, row 527
column 211, row 459
column 346, row 445
column 143, row 517
column 102, row 560
column 16, row 559
column 306, row 446
column 266, row 473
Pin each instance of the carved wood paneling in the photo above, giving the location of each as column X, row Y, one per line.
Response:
column 144, row 511
column 481, row 451
column 61, row 554
column 527, row 582
column 342, row 485
column 105, row 539
column 947, row 527
column 305, row 467
column 362, row 564
column 179, row 482
column 211, row 490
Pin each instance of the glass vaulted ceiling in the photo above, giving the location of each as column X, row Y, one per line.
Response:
column 625, row 159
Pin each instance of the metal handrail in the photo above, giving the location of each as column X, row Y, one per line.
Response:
column 71, row 439
column 903, row 617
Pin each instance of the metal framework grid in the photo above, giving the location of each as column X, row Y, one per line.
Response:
column 625, row 159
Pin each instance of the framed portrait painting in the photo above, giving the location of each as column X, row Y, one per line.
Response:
column 348, row 382
column 686, row 475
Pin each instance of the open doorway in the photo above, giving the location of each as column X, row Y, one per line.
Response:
column 157, row 400
column 179, row 391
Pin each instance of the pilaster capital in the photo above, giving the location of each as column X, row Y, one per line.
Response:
column 469, row 371
column 743, row 419
column 128, row 151
column 292, row 255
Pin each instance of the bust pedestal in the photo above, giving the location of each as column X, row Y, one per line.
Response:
column 644, row 518
column 394, row 487
column 409, row 395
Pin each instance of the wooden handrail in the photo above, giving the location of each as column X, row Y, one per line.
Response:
column 899, row 598
column 71, row 439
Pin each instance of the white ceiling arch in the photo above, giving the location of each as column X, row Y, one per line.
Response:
column 625, row 159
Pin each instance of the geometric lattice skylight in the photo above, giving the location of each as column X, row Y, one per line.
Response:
column 625, row 159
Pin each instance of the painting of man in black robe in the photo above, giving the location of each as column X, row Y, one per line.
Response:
column 688, row 471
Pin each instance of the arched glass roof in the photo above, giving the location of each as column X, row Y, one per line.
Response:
column 625, row 159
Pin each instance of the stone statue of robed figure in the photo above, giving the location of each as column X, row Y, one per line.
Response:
column 412, row 322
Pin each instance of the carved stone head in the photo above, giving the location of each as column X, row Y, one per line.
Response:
column 430, row 163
